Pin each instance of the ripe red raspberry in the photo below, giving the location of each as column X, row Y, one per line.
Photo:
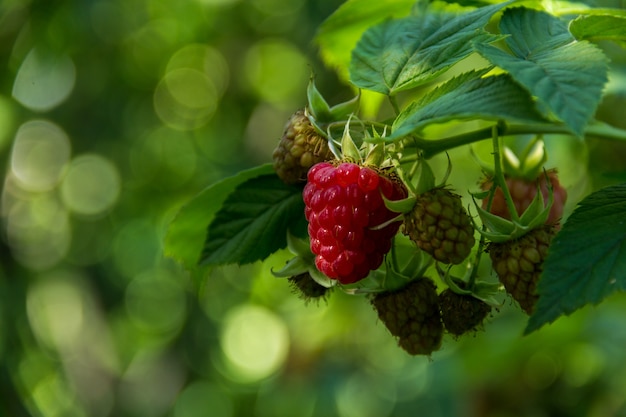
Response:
column 343, row 206
column 523, row 192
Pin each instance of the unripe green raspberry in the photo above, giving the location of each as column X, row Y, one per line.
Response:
column 307, row 288
column 519, row 264
column 412, row 315
column 440, row 226
column 461, row 313
column 299, row 149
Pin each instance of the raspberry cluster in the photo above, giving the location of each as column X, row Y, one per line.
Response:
column 344, row 207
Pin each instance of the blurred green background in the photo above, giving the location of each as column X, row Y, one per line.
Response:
column 114, row 113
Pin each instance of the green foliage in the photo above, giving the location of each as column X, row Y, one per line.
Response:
column 338, row 35
column 468, row 96
column 187, row 231
column 600, row 27
column 545, row 80
column 253, row 221
column 587, row 259
column 404, row 53
column 566, row 76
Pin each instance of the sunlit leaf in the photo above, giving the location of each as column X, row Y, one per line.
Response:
column 603, row 27
column 468, row 96
column 587, row 258
column 339, row 34
column 253, row 221
column 404, row 53
column 565, row 75
column 186, row 233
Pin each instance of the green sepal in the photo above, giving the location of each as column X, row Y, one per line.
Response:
column 529, row 164
column 295, row 266
column 534, row 160
column 400, row 206
column 511, row 163
column 498, row 229
column 537, row 214
column 300, row 247
column 501, row 230
column 320, row 278
column 349, row 150
column 481, row 290
column 376, row 155
column 318, row 107
column 480, row 195
column 426, row 180
column 343, row 110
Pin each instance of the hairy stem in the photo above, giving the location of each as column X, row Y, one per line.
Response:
column 431, row 148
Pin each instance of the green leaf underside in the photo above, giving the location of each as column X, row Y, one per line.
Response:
column 339, row 34
column 253, row 222
column 565, row 75
column 468, row 96
column 587, row 259
column 404, row 53
column 186, row 233
column 603, row 27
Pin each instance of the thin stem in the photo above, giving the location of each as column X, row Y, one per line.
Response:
column 498, row 177
column 481, row 243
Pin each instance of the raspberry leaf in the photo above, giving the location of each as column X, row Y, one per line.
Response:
column 339, row 34
column 187, row 231
column 468, row 96
column 600, row 27
column 253, row 222
column 587, row 258
column 405, row 53
column 549, row 62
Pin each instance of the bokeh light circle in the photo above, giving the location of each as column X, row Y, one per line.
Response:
column 40, row 151
column 185, row 99
column 205, row 59
column 156, row 302
column 91, row 185
column 55, row 308
column 255, row 342
column 276, row 71
column 44, row 80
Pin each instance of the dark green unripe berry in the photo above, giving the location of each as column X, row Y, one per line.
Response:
column 300, row 147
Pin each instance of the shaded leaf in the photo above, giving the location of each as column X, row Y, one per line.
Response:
column 404, row 53
column 468, row 96
column 587, row 258
column 253, row 221
column 186, row 233
column 565, row 75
